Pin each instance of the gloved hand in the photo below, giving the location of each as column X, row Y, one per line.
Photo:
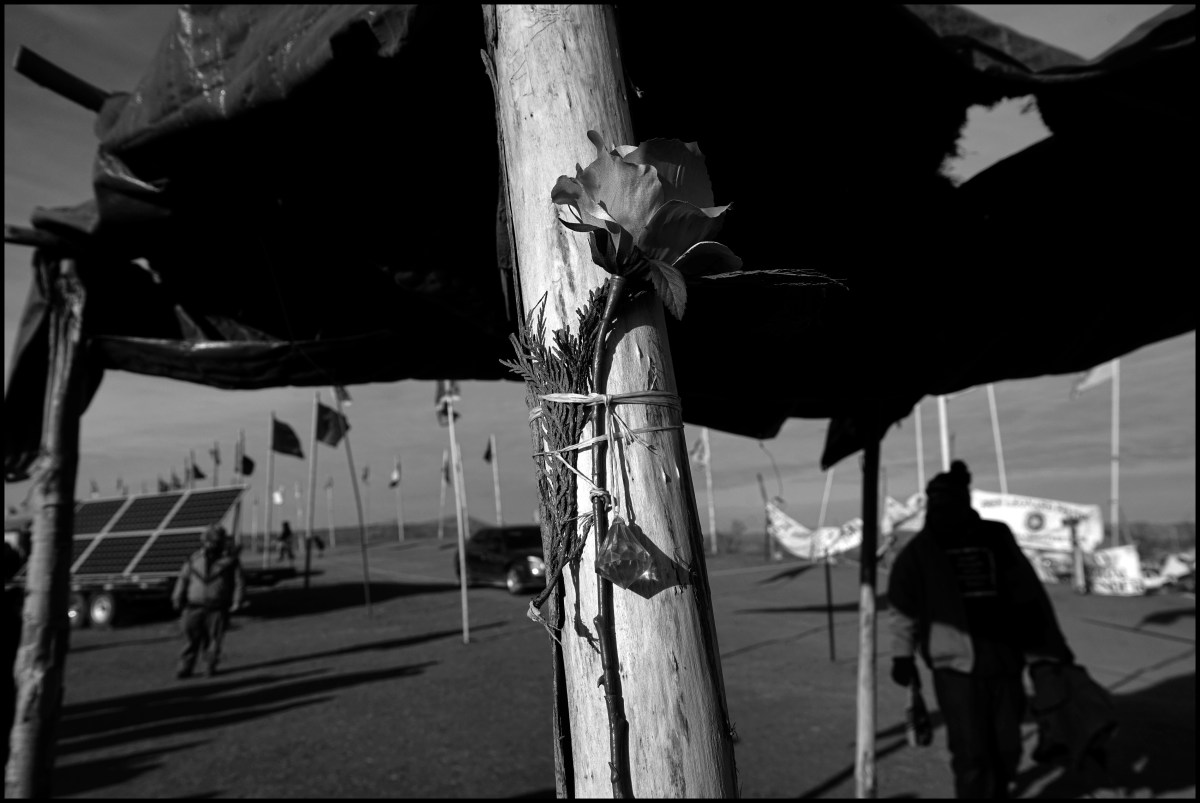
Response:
column 904, row 670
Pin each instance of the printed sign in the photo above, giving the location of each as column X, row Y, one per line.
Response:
column 1040, row 524
column 1117, row 571
column 807, row 544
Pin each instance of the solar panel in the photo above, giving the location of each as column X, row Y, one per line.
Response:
column 203, row 509
column 90, row 517
column 113, row 554
column 168, row 552
column 146, row 512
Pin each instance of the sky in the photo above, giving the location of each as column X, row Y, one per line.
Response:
column 139, row 428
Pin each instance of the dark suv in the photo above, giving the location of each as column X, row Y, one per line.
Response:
column 508, row 556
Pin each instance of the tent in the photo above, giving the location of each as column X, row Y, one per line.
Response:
column 308, row 195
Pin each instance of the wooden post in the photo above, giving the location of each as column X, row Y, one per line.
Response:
column 362, row 527
column 41, row 658
column 496, row 479
column 864, row 763
column 270, row 491
column 712, row 503
column 920, row 449
column 399, row 502
column 828, row 579
column 442, row 496
column 458, row 513
column 310, row 524
column 558, row 74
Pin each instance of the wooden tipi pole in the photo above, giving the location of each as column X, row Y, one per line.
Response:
column 41, row 658
column 558, row 74
column 864, row 755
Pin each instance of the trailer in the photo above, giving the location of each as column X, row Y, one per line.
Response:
column 127, row 550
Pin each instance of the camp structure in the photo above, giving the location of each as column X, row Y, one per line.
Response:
column 332, row 195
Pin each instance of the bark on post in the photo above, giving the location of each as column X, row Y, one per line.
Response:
column 559, row 74
column 45, row 629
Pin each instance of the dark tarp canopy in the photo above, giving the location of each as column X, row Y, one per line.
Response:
column 311, row 196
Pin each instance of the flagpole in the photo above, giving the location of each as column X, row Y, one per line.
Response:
column 944, row 431
column 362, row 527
column 991, row 390
column 458, row 510
column 762, row 487
column 712, row 505
column 312, row 492
column 462, row 492
column 192, row 469
column 329, row 510
column 270, row 490
column 442, row 496
column 1115, row 497
column 496, row 479
column 254, row 522
column 399, row 502
column 237, row 507
column 864, row 764
column 828, row 580
column 920, row 448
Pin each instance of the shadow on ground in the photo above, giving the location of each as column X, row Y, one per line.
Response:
column 1152, row 753
column 881, row 604
column 1168, row 617
column 198, row 705
column 78, row 779
column 881, row 751
column 293, row 599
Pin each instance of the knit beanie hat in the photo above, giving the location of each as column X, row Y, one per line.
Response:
column 950, row 487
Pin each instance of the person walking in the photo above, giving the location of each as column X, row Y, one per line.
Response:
column 286, row 550
column 210, row 587
column 964, row 596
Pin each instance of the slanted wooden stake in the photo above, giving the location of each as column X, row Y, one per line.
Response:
column 45, row 630
column 558, row 74
column 864, row 756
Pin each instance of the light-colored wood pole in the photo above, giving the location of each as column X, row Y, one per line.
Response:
column 944, row 432
column 825, row 560
column 1114, row 511
column 458, row 513
column 496, row 479
column 270, row 490
column 712, row 502
column 311, row 522
column 40, row 663
column 920, row 449
column 559, row 74
column 864, row 756
column 991, row 391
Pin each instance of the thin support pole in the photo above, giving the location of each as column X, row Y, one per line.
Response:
column 712, row 502
column 920, row 448
column 991, row 391
column 944, row 432
column 399, row 502
column 312, row 493
column 828, row 578
column 865, row 739
column 458, row 510
column 496, row 480
column 270, row 490
column 362, row 527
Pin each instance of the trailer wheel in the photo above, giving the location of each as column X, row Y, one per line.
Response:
column 77, row 610
column 102, row 612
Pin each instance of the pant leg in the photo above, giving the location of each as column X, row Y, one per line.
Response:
column 968, row 733
column 216, row 622
column 1007, row 694
column 195, row 635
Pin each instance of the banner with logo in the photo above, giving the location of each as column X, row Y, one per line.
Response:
column 808, row 544
column 1117, row 571
column 1039, row 524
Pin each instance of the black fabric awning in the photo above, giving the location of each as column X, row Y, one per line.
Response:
column 310, row 194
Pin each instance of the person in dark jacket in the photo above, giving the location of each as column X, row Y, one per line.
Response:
column 964, row 596
column 286, row 550
column 209, row 588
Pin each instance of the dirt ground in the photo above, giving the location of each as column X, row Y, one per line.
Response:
column 319, row 700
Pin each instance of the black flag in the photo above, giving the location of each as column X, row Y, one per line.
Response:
column 284, row 440
column 332, row 426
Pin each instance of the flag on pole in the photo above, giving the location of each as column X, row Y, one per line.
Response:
column 247, row 467
column 95, row 489
column 487, row 455
column 197, row 474
column 446, row 467
column 447, row 392
column 284, row 440
column 343, row 396
column 216, row 453
column 366, row 475
column 1097, row 376
column 395, row 478
column 163, row 487
column 332, row 426
column 277, row 495
column 176, row 483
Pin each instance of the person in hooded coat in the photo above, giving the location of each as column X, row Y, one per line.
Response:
column 964, row 597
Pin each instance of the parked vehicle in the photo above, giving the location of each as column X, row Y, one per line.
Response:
column 127, row 550
column 507, row 556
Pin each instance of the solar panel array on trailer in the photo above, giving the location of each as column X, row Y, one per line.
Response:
column 145, row 534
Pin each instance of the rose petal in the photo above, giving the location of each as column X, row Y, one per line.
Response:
column 631, row 193
column 708, row 258
column 676, row 227
column 681, row 169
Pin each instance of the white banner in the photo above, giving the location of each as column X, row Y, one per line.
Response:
column 1038, row 523
column 908, row 515
column 1117, row 571
column 807, row 544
